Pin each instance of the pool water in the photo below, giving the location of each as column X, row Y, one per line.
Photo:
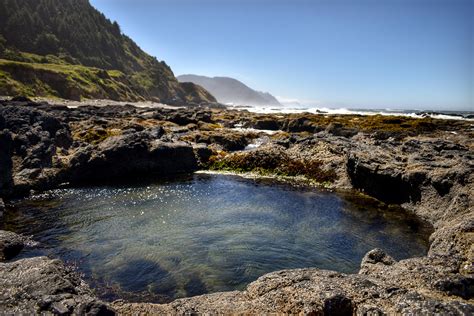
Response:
column 206, row 233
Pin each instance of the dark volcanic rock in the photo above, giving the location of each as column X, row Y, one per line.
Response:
column 10, row 244
column 386, row 185
column 21, row 99
column 131, row 156
column 6, row 179
column 187, row 116
column 2, row 122
column 267, row 124
column 203, row 153
column 2, row 208
column 338, row 305
column 228, row 139
column 302, row 124
column 181, row 118
column 34, row 138
column 63, row 138
column 337, row 129
column 20, row 119
column 41, row 285
column 459, row 286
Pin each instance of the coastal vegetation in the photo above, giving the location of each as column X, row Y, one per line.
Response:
column 68, row 49
column 273, row 162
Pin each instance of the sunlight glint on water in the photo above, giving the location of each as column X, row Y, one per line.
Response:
column 206, row 233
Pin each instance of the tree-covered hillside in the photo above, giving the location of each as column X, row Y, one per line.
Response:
column 72, row 32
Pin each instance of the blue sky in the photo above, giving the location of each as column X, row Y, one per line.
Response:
column 368, row 53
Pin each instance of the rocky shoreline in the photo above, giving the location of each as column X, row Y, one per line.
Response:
column 424, row 165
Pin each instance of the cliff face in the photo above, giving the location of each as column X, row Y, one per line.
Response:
column 229, row 90
column 68, row 49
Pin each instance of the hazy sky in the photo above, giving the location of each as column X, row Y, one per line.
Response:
column 374, row 53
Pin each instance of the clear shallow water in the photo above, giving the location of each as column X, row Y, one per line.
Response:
column 206, row 233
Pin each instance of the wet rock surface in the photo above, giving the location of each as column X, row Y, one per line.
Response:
column 2, row 208
column 424, row 165
column 10, row 244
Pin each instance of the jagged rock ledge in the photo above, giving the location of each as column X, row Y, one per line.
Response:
column 425, row 165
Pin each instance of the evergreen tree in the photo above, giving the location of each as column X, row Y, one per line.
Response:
column 77, row 33
column 74, row 28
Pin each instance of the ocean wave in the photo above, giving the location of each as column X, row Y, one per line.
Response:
column 445, row 115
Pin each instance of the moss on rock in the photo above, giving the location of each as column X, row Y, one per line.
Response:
column 273, row 161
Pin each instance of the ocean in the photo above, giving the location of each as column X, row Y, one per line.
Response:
column 447, row 115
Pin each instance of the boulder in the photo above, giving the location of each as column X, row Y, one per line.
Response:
column 228, row 139
column 182, row 117
column 44, row 286
column 130, row 156
column 267, row 124
column 385, row 184
column 374, row 260
column 301, row 124
column 203, row 116
column 63, row 138
column 375, row 256
column 203, row 153
column 337, row 129
column 10, row 244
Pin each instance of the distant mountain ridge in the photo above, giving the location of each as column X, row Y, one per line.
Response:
column 230, row 90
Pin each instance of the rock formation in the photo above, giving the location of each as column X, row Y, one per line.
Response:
column 424, row 165
column 44, row 286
